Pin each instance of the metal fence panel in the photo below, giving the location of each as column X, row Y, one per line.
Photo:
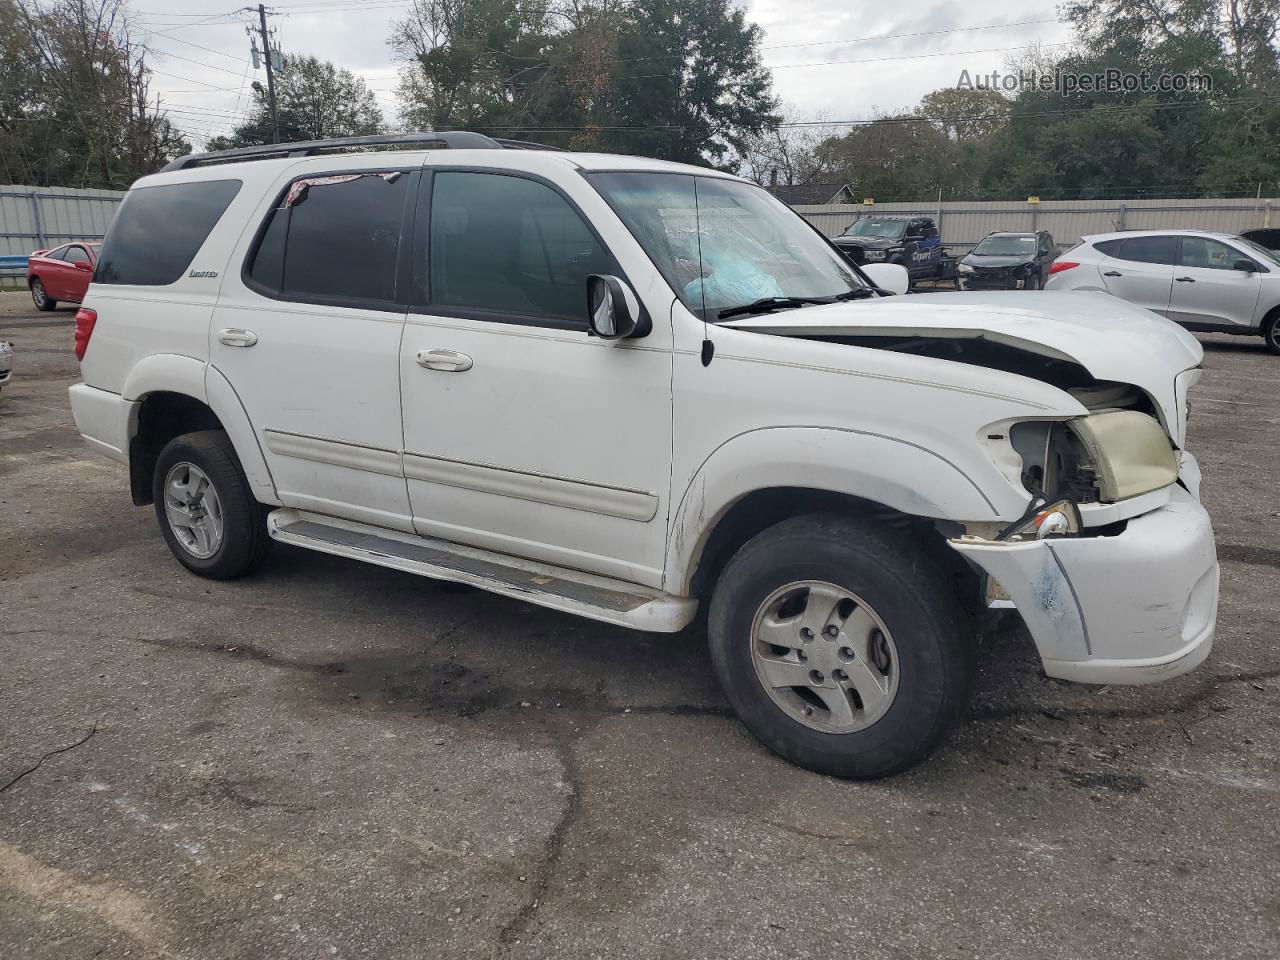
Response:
column 963, row 223
column 33, row 218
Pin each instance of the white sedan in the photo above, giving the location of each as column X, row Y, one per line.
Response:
column 1204, row 281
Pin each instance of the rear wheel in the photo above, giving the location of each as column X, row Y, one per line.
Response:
column 1271, row 332
column 840, row 645
column 208, row 516
column 40, row 297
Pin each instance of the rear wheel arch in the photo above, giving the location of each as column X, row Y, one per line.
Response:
column 161, row 416
column 1270, row 329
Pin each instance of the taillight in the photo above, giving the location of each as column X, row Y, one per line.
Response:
column 85, row 320
column 1059, row 265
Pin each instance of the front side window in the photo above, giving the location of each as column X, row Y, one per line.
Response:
column 511, row 247
column 722, row 244
column 77, row 255
column 334, row 239
column 158, row 231
column 1206, row 254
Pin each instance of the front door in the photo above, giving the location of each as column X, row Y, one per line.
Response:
column 522, row 433
column 1140, row 270
column 1208, row 289
column 309, row 337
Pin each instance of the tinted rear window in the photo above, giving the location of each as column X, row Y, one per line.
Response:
column 158, row 231
column 334, row 239
column 1148, row 250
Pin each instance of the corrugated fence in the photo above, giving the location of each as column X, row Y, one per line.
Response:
column 962, row 224
column 34, row 218
column 39, row 217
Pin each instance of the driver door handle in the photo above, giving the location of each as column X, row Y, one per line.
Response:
column 1185, row 279
column 237, row 337
column 448, row 361
column 1113, row 273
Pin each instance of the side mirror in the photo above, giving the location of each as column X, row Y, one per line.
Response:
column 888, row 276
column 613, row 311
column 1248, row 266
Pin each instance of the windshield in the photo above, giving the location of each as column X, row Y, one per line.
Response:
column 1267, row 256
column 1006, row 247
column 723, row 244
column 873, row 227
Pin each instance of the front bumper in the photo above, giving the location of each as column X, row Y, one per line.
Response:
column 6, row 362
column 1137, row 607
column 983, row 280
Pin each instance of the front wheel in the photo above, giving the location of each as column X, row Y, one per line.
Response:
column 1271, row 333
column 840, row 645
column 40, row 296
column 207, row 514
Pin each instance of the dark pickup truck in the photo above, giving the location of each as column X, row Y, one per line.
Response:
column 910, row 241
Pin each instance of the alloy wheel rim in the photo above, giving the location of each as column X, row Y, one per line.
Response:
column 38, row 294
column 824, row 657
column 194, row 510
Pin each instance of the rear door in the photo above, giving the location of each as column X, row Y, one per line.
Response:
column 308, row 335
column 1207, row 289
column 1140, row 269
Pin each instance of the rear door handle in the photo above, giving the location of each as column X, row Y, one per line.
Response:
column 1185, row 279
column 1113, row 273
column 449, row 361
column 237, row 337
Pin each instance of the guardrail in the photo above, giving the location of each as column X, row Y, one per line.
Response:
column 13, row 272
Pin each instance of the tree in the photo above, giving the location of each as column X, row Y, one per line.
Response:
column 315, row 101
column 897, row 157
column 676, row 79
column 74, row 102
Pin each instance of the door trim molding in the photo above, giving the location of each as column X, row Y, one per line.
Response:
column 621, row 502
column 338, row 453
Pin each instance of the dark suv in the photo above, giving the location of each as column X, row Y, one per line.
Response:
column 912, row 242
column 1008, row 261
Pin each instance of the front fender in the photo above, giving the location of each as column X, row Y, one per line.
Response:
column 882, row 469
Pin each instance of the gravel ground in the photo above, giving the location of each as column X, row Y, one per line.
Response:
column 337, row 760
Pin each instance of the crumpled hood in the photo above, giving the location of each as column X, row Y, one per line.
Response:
column 992, row 263
column 1112, row 339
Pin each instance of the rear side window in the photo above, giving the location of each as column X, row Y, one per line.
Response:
column 158, row 231
column 1147, row 250
column 334, row 239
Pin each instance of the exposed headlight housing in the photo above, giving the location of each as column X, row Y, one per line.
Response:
column 1130, row 452
column 1061, row 519
column 964, row 268
column 875, row 254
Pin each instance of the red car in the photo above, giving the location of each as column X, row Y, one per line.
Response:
column 62, row 273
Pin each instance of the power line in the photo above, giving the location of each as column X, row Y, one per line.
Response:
column 198, row 63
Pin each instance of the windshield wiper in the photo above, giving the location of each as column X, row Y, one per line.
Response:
column 770, row 303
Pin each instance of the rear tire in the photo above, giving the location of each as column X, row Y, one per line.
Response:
column 208, row 516
column 884, row 670
column 1271, row 333
column 40, row 297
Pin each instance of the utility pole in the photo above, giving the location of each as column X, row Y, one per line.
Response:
column 271, row 79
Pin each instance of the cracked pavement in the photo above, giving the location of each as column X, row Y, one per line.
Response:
column 337, row 760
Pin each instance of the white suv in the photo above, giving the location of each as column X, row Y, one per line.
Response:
column 1213, row 282
column 630, row 390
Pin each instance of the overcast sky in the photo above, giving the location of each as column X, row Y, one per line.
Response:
column 204, row 72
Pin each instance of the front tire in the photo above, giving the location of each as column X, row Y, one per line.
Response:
column 840, row 645
column 208, row 516
column 40, row 296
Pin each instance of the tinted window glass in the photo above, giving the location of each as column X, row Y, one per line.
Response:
column 334, row 239
column 1208, row 254
column 76, row 255
column 158, row 230
column 511, row 246
column 57, row 253
column 1108, row 247
column 1149, row 249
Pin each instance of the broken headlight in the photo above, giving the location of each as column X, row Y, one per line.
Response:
column 1131, row 453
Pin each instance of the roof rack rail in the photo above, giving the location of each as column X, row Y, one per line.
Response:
column 450, row 139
